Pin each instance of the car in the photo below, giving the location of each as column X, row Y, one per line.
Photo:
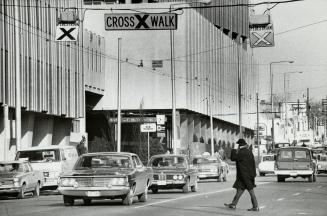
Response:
column 171, row 171
column 106, row 175
column 295, row 162
column 18, row 177
column 322, row 163
column 211, row 168
column 50, row 160
column 266, row 165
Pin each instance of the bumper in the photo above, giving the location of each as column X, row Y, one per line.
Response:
column 167, row 184
column 9, row 189
column 294, row 172
column 266, row 171
column 203, row 175
column 50, row 182
column 114, row 191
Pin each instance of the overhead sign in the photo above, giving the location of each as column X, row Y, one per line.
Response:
column 161, row 128
column 148, row 127
column 134, row 119
column 261, row 37
column 161, row 119
column 67, row 33
column 140, row 21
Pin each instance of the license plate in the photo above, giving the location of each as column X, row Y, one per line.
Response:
column 161, row 182
column 93, row 193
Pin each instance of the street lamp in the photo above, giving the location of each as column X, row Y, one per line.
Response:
column 172, row 71
column 271, row 97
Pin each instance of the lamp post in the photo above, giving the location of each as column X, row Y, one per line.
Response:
column 285, row 100
column 172, row 71
column 271, row 97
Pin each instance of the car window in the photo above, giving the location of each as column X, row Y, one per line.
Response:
column 268, row 158
column 103, row 161
column 285, row 154
column 300, row 154
column 11, row 167
column 40, row 155
column 169, row 161
column 137, row 161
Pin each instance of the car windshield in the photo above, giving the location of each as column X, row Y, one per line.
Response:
column 50, row 155
column 197, row 161
column 103, row 161
column 11, row 167
column 301, row 154
column 170, row 161
column 285, row 154
column 268, row 158
column 280, row 145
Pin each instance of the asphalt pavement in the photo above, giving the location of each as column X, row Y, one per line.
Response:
column 293, row 197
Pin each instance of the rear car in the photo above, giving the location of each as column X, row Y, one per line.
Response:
column 50, row 160
column 211, row 168
column 266, row 165
column 18, row 178
column 295, row 162
column 322, row 163
column 106, row 175
column 172, row 172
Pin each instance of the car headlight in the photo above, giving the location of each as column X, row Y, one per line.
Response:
column 180, row 177
column 175, row 177
column 319, row 166
column 214, row 170
column 68, row 182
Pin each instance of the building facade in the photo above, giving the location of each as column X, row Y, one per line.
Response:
column 52, row 92
column 210, row 49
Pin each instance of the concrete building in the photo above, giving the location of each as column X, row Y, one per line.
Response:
column 52, row 75
column 210, row 46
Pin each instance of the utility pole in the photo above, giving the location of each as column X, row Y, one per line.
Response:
column 257, row 97
column 17, row 79
column 119, row 98
column 308, row 111
column 298, row 114
column 239, row 84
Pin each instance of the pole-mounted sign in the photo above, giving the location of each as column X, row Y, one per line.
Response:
column 67, row 33
column 140, row 21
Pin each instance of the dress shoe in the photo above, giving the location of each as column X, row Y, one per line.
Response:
column 254, row 209
column 230, row 205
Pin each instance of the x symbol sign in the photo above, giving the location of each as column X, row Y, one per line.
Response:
column 66, row 33
column 261, row 38
column 142, row 21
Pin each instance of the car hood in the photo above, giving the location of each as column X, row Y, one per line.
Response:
column 168, row 170
column 99, row 172
column 207, row 166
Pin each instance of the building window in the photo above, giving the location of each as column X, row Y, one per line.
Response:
column 75, row 127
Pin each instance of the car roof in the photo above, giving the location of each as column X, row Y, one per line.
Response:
column 48, row 147
column 110, row 153
column 294, row 147
column 168, row 155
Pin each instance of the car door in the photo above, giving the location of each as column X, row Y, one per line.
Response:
column 140, row 175
column 28, row 176
column 285, row 159
column 302, row 159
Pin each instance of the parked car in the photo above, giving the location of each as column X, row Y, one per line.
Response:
column 295, row 162
column 172, row 172
column 322, row 163
column 106, row 175
column 51, row 160
column 211, row 168
column 18, row 177
column 266, row 165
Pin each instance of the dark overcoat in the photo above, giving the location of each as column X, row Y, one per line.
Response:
column 245, row 168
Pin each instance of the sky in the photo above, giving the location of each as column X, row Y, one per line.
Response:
column 306, row 46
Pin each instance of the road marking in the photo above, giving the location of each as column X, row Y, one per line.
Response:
column 319, row 186
column 309, row 189
column 280, row 199
column 296, row 194
column 190, row 196
column 262, row 207
column 303, row 213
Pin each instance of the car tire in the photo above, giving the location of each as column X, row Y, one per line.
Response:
column 128, row 199
column 21, row 193
column 87, row 201
column 68, row 200
column 280, row 179
column 36, row 192
column 154, row 190
column 262, row 174
column 194, row 188
column 144, row 196
column 310, row 179
column 186, row 187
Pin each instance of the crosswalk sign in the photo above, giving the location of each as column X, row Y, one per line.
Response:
column 67, row 33
column 261, row 38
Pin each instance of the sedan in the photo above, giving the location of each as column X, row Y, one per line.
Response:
column 106, row 175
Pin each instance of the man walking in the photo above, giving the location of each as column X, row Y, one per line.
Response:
column 245, row 174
